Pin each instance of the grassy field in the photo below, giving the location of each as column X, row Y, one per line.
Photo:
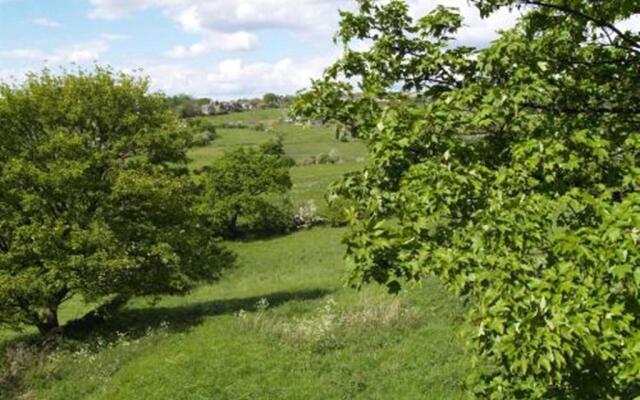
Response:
column 280, row 325
column 300, row 142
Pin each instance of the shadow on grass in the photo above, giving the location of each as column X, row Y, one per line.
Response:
column 137, row 321
column 31, row 351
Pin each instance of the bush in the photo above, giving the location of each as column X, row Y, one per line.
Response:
column 307, row 216
column 258, row 126
column 186, row 106
column 234, row 125
column 203, row 131
column 96, row 200
column 275, row 147
column 332, row 157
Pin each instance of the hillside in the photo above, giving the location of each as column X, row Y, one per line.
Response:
column 281, row 325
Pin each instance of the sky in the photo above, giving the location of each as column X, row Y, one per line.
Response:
column 221, row 49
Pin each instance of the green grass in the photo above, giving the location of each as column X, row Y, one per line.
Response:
column 203, row 347
column 254, row 116
column 300, row 142
column 312, row 338
column 310, row 182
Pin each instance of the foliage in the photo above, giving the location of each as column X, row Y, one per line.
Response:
column 246, row 191
column 272, row 100
column 203, row 131
column 331, row 157
column 275, row 147
column 95, row 197
column 338, row 209
column 186, row 106
column 511, row 173
column 258, row 126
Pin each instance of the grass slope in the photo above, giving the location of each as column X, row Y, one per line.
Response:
column 300, row 142
column 314, row 339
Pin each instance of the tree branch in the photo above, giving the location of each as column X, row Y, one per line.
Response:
column 634, row 45
column 576, row 110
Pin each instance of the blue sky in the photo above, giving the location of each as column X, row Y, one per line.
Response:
column 214, row 48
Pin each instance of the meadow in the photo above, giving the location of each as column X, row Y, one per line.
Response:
column 279, row 325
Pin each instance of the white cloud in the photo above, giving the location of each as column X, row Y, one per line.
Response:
column 75, row 53
column 231, row 24
column 216, row 41
column 198, row 16
column 476, row 31
column 113, row 36
column 251, row 15
column 15, row 75
column 23, row 54
column 235, row 78
column 113, row 9
column 231, row 16
column 81, row 52
column 46, row 22
column 630, row 24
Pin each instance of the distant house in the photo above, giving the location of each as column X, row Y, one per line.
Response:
column 224, row 107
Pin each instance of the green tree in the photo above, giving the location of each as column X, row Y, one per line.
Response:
column 96, row 200
column 186, row 106
column 271, row 100
column 246, row 191
column 511, row 173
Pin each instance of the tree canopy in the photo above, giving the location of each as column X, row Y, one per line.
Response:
column 511, row 173
column 245, row 191
column 96, row 200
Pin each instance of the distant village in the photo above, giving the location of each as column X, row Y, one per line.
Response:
column 187, row 106
column 216, row 107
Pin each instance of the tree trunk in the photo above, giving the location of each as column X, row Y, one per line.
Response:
column 232, row 225
column 48, row 320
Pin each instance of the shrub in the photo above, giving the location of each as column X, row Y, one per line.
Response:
column 186, row 106
column 257, row 126
column 203, row 131
column 275, row 147
column 96, row 200
column 234, row 125
column 332, row 157
column 307, row 216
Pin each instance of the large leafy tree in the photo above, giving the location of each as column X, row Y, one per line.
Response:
column 246, row 191
column 510, row 172
column 95, row 197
